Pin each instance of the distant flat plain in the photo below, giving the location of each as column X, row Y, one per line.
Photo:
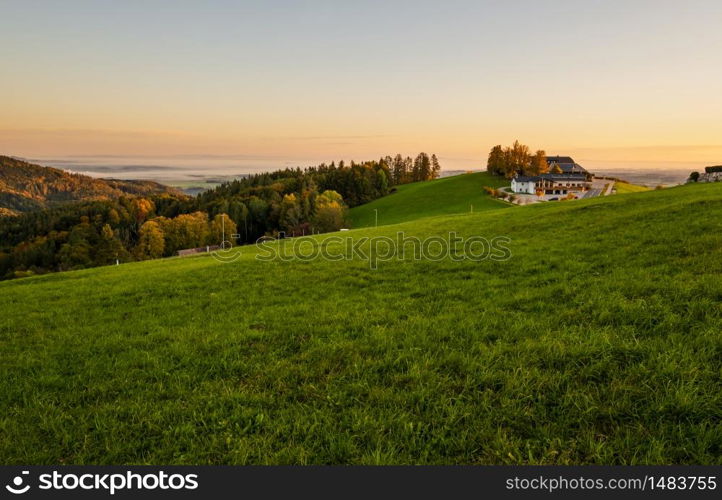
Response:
column 204, row 171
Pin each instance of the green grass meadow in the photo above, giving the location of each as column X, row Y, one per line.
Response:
column 626, row 187
column 597, row 342
column 449, row 195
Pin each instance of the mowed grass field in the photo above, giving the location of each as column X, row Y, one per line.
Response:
column 449, row 195
column 598, row 342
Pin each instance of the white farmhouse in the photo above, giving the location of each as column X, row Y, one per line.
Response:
column 524, row 184
column 565, row 176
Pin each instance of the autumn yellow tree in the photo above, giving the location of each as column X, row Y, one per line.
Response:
column 184, row 231
column 151, row 242
column 221, row 232
column 538, row 164
column 330, row 212
column 141, row 208
column 509, row 161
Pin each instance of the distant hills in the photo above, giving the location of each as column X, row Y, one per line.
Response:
column 26, row 187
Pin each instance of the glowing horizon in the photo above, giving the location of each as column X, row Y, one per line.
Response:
column 610, row 82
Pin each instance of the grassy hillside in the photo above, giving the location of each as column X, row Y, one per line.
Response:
column 626, row 187
column 450, row 195
column 25, row 187
column 597, row 342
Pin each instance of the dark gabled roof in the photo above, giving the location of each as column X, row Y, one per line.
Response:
column 571, row 169
column 565, row 163
column 565, row 177
column 716, row 168
column 559, row 159
column 527, row 178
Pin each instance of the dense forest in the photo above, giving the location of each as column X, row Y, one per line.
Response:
column 291, row 201
column 25, row 187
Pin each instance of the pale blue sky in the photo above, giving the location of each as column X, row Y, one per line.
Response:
column 313, row 79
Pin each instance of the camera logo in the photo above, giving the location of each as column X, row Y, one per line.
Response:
column 17, row 484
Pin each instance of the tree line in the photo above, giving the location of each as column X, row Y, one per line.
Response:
column 516, row 159
column 289, row 201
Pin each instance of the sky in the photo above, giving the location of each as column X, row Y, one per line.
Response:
column 613, row 83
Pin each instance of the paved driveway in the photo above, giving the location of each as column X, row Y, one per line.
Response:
column 592, row 193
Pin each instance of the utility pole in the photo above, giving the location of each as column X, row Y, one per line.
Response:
column 223, row 231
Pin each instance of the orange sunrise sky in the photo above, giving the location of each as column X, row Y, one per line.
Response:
column 612, row 83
